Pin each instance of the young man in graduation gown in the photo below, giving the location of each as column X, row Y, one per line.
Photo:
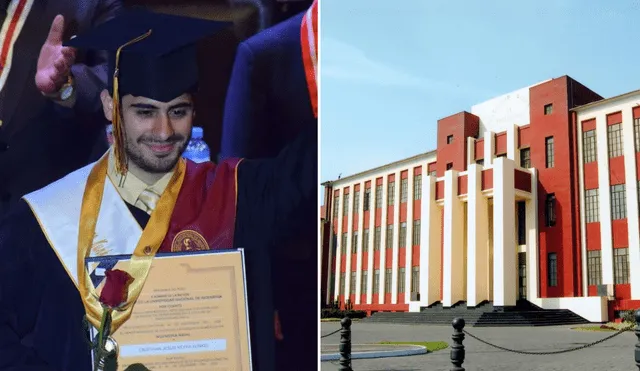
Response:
column 272, row 97
column 142, row 190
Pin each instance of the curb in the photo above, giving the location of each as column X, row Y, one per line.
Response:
column 408, row 350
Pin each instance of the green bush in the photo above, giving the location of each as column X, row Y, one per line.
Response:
column 629, row 317
column 338, row 313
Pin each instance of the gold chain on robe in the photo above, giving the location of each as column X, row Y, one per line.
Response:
column 148, row 245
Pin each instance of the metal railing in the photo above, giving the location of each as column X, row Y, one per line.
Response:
column 458, row 350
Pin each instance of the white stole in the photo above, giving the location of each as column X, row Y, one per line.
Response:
column 57, row 209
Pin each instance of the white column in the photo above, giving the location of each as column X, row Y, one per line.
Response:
column 339, row 249
column 430, row 243
column 383, row 239
column 583, row 220
column 512, row 144
column 631, row 180
column 361, row 242
column 477, row 238
column 409, row 244
column 489, row 147
column 347, row 279
column 372, row 232
column 532, row 239
column 453, row 253
column 504, row 236
column 606, row 240
column 471, row 150
column 396, row 239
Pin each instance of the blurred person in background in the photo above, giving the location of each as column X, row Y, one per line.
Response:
column 272, row 97
column 50, row 121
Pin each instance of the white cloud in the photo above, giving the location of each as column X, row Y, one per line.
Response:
column 344, row 61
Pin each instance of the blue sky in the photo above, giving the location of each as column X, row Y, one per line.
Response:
column 391, row 68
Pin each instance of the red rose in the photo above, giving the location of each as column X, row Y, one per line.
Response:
column 116, row 288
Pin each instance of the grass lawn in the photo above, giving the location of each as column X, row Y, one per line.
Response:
column 608, row 327
column 431, row 346
column 337, row 319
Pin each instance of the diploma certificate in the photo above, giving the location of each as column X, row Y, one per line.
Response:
column 191, row 314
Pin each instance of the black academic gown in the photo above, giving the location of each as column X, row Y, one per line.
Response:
column 40, row 307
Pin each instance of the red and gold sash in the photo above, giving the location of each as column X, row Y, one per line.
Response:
column 204, row 216
column 197, row 211
column 309, row 39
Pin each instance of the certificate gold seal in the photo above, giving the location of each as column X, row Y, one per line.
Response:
column 189, row 240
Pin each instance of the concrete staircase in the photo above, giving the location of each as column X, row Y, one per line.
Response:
column 483, row 315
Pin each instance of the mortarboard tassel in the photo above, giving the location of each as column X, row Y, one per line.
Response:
column 118, row 131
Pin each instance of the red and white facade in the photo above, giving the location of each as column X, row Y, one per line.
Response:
column 527, row 197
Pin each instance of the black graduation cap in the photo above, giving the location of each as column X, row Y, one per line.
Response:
column 151, row 55
column 157, row 56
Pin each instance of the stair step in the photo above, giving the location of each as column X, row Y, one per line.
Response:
column 481, row 316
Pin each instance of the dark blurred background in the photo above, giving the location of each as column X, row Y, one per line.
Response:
column 216, row 54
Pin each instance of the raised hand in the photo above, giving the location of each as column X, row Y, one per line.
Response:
column 55, row 60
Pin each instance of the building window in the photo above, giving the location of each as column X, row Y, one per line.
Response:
column 365, row 241
column 389, row 244
column 402, row 276
column 354, row 242
column 341, row 288
column 336, row 206
column 594, row 267
column 332, row 289
column 636, row 133
column 548, row 109
column 343, row 247
column 363, row 282
column 550, row 207
column 621, row 265
column 522, row 275
column 352, row 284
column 378, row 196
column 345, row 205
column 549, row 152
column 480, row 162
column 417, row 187
column 356, row 202
column 522, row 223
column 592, row 205
column 415, row 279
column 415, row 238
column 449, row 139
column 589, row 146
column 433, row 173
column 367, row 199
column 552, row 269
column 387, row 281
column 618, row 202
column 391, row 193
column 525, row 158
column 402, row 240
column 404, row 189
column 376, row 281
column 450, row 166
column 502, row 155
column 376, row 239
column 614, row 136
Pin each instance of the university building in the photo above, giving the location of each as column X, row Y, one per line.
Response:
column 530, row 196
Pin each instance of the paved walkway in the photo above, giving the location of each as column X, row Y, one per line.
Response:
column 330, row 352
column 358, row 348
column 616, row 354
